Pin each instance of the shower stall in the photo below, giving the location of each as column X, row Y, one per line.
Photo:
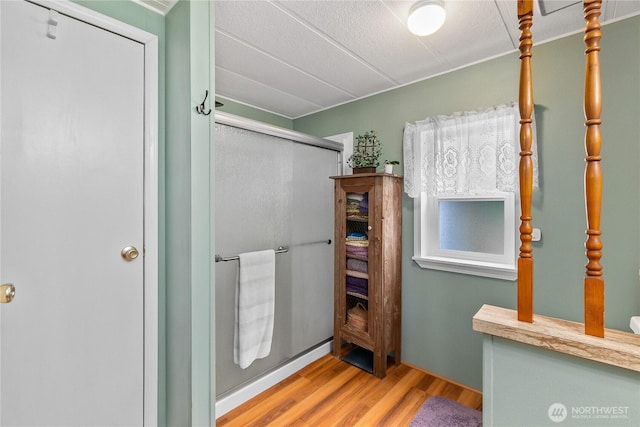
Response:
column 272, row 191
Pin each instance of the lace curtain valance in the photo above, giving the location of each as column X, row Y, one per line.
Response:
column 466, row 153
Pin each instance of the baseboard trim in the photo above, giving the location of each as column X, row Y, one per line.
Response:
column 442, row 378
column 238, row 397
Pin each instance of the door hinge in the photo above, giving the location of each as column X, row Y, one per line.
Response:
column 52, row 23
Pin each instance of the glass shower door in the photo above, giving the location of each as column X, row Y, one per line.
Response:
column 273, row 192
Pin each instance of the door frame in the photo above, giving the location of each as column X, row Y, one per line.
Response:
column 150, row 186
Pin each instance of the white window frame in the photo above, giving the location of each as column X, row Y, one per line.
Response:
column 347, row 150
column 429, row 255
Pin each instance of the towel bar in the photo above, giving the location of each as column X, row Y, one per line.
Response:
column 280, row 250
column 218, row 258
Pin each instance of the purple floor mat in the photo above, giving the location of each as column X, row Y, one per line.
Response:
column 442, row 412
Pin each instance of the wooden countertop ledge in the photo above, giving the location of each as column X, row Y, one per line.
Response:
column 617, row 348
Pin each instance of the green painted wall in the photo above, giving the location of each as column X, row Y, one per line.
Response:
column 438, row 306
column 524, row 381
column 178, row 175
column 202, row 351
column 248, row 112
column 189, row 319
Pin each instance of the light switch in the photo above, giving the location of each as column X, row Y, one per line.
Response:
column 536, row 235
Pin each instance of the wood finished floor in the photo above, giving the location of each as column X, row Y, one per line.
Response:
column 330, row 392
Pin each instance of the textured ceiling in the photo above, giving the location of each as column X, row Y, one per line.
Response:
column 295, row 57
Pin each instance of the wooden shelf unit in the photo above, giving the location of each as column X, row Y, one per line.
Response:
column 382, row 225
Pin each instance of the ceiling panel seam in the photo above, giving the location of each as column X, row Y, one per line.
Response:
column 333, row 41
column 508, row 15
column 286, row 64
column 271, row 87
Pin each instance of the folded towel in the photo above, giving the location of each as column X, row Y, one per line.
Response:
column 255, row 301
column 358, row 293
column 364, row 204
column 361, row 253
column 356, row 248
column 357, row 281
column 359, row 274
column 357, row 265
column 357, row 215
column 358, row 285
column 356, row 236
column 358, row 290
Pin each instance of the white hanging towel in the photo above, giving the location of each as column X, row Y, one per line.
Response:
column 255, row 303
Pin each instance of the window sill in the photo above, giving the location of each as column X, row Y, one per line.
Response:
column 476, row 268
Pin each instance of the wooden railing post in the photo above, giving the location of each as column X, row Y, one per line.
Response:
column 525, row 259
column 593, row 281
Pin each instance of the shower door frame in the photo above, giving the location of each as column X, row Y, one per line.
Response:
column 235, row 397
column 268, row 129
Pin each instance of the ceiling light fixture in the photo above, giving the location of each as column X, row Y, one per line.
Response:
column 426, row 17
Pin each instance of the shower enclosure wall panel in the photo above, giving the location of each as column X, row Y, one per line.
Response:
column 271, row 192
column 312, row 298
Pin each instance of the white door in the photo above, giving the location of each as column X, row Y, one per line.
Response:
column 71, row 198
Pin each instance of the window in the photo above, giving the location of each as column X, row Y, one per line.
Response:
column 467, row 234
column 462, row 172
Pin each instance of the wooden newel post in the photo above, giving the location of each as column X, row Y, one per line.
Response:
column 525, row 259
column 593, row 281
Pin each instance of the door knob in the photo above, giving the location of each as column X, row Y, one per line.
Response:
column 129, row 253
column 7, row 293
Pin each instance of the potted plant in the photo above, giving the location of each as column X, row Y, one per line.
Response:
column 388, row 165
column 366, row 153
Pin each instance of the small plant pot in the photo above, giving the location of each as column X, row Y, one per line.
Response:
column 388, row 169
column 367, row 169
